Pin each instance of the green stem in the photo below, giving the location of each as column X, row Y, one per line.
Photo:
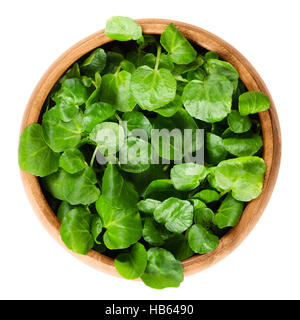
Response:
column 118, row 69
column 157, row 57
column 117, row 116
column 93, row 157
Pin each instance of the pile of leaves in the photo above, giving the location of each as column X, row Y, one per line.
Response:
column 148, row 217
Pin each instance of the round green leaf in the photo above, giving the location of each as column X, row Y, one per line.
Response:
column 162, row 270
column 115, row 90
column 132, row 264
column 95, row 62
column 229, row 212
column 135, row 155
column 207, row 195
column 123, row 29
column 178, row 47
column 96, row 227
column 171, row 108
column 72, row 94
column 72, row 161
column 214, row 149
column 222, row 68
column 208, row 100
column 155, row 233
column 161, row 190
column 148, row 205
column 175, row 214
column 244, row 144
column 137, row 121
column 201, row 240
column 35, row 156
column 108, row 136
column 204, row 217
column 75, row 231
column 153, row 89
column 188, row 176
column 253, row 102
column 244, row 176
column 63, row 209
column 60, row 135
column 238, row 123
column 95, row 114
column 179, row 246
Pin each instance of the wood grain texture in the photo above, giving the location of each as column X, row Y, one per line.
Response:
column 270, row 130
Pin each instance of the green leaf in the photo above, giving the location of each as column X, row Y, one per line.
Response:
column 95, row 114
column 155, row 233
column 35, row 156
column 153, row 89
column 61, row 135
column 115, row 90
column 178, row 47
column 175, row 214
column 208, row 100
column 188, row 176
column 142, row 180
column 201, row 240
column 253, row 102
column 137, row 121
column 132, row 264
column 211, row 55
column 214, row 149
column 244, row 176
column 95, row 62
column 63, row 209
column 168, row 148
column 179, row 246
column 96, row 228
column 180, row 69
column 222, row 68
column 72, row 161
column 197, row 204
column 238, row 123
column 127, row 66
column 108, row 136
column 162, row 270
column 148, row 206
column 113, row 61
column 204, row 217
column 171, row 108
column 198, row 74
column 207, row 195
column 123, row 29
column 243, row 144
column 72, row 94
column 135, row 155
column 161, row 190
column 73, row 72
column 165, row 61
column 117, row 209
column 229, row 212
column 75, row 231
column 78, row 188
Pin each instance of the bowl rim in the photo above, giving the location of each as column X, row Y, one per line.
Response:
column 270, row 130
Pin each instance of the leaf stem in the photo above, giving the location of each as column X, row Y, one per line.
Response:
column 157, row 57
column 117, row 116
column 93, row 157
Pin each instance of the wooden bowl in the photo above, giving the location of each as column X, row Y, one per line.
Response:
column 269, row 123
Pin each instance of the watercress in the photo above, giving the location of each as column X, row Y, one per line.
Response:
column 159, row 206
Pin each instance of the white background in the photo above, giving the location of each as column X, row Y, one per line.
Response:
column 34, row 33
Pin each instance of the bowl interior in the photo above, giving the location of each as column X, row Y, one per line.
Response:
column 270, row 131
